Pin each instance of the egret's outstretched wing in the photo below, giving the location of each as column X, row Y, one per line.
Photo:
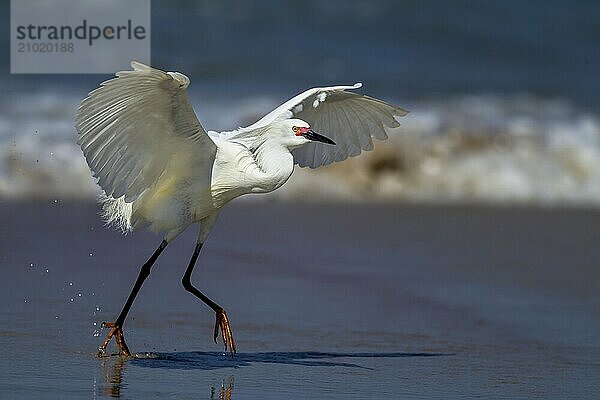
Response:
column 350, row 119
column 134, row 125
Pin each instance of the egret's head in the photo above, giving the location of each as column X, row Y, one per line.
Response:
column 298, row 132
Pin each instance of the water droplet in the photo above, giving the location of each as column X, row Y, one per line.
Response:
column 95, row 323
column 56, row 316
column 25, row 300
column 72, row 299
column 79, row 294
column 55, row 201
column 31, row 265
column 51, row 153
column 91, row 254
column 70, row 283
column 97, row 308
column 47, row 270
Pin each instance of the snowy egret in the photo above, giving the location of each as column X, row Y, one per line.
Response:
column 158, row 167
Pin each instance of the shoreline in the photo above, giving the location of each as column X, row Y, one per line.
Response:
column 509, row 297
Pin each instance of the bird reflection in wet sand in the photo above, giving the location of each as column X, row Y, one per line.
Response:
column 112, row 381
column 112, row 374
column 224, row 392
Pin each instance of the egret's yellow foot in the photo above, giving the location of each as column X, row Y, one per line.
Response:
column 117, row 332
column 222, row 323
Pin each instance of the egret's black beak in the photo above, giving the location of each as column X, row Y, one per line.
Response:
column 314, row 136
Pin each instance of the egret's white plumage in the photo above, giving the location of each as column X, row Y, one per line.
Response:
column 158, row 166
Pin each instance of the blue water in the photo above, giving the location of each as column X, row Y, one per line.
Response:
column 402, row 49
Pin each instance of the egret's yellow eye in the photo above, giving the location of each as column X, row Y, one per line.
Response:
column 295, row 129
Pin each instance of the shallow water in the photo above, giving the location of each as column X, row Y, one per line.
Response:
column 503, row 96
column 325, row 302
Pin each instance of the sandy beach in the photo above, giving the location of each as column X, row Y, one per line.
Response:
column 326, row 301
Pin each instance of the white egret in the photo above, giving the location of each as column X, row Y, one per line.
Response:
column 158, row 166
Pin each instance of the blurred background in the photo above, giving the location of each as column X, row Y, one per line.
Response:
column 503, row 95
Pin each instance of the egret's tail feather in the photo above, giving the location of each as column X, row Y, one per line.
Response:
column 117, row 212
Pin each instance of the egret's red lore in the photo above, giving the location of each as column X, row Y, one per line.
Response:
column 300, row 130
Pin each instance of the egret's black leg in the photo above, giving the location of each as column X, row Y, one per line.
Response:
column 117, row 326
column 222, row 322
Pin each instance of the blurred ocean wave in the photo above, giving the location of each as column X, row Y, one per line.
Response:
column 457, row 66
column 471, row 148
column 476, row 149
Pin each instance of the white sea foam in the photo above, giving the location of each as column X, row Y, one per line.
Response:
column 484, row 148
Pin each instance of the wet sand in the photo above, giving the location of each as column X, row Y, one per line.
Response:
column 335, row 302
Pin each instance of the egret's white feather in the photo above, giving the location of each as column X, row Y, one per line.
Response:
column 132, row 126
column 143, row 142
column 116, row 212
column 159, row 167
column 349, row 119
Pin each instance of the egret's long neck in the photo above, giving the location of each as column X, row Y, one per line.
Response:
column 274, row 164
